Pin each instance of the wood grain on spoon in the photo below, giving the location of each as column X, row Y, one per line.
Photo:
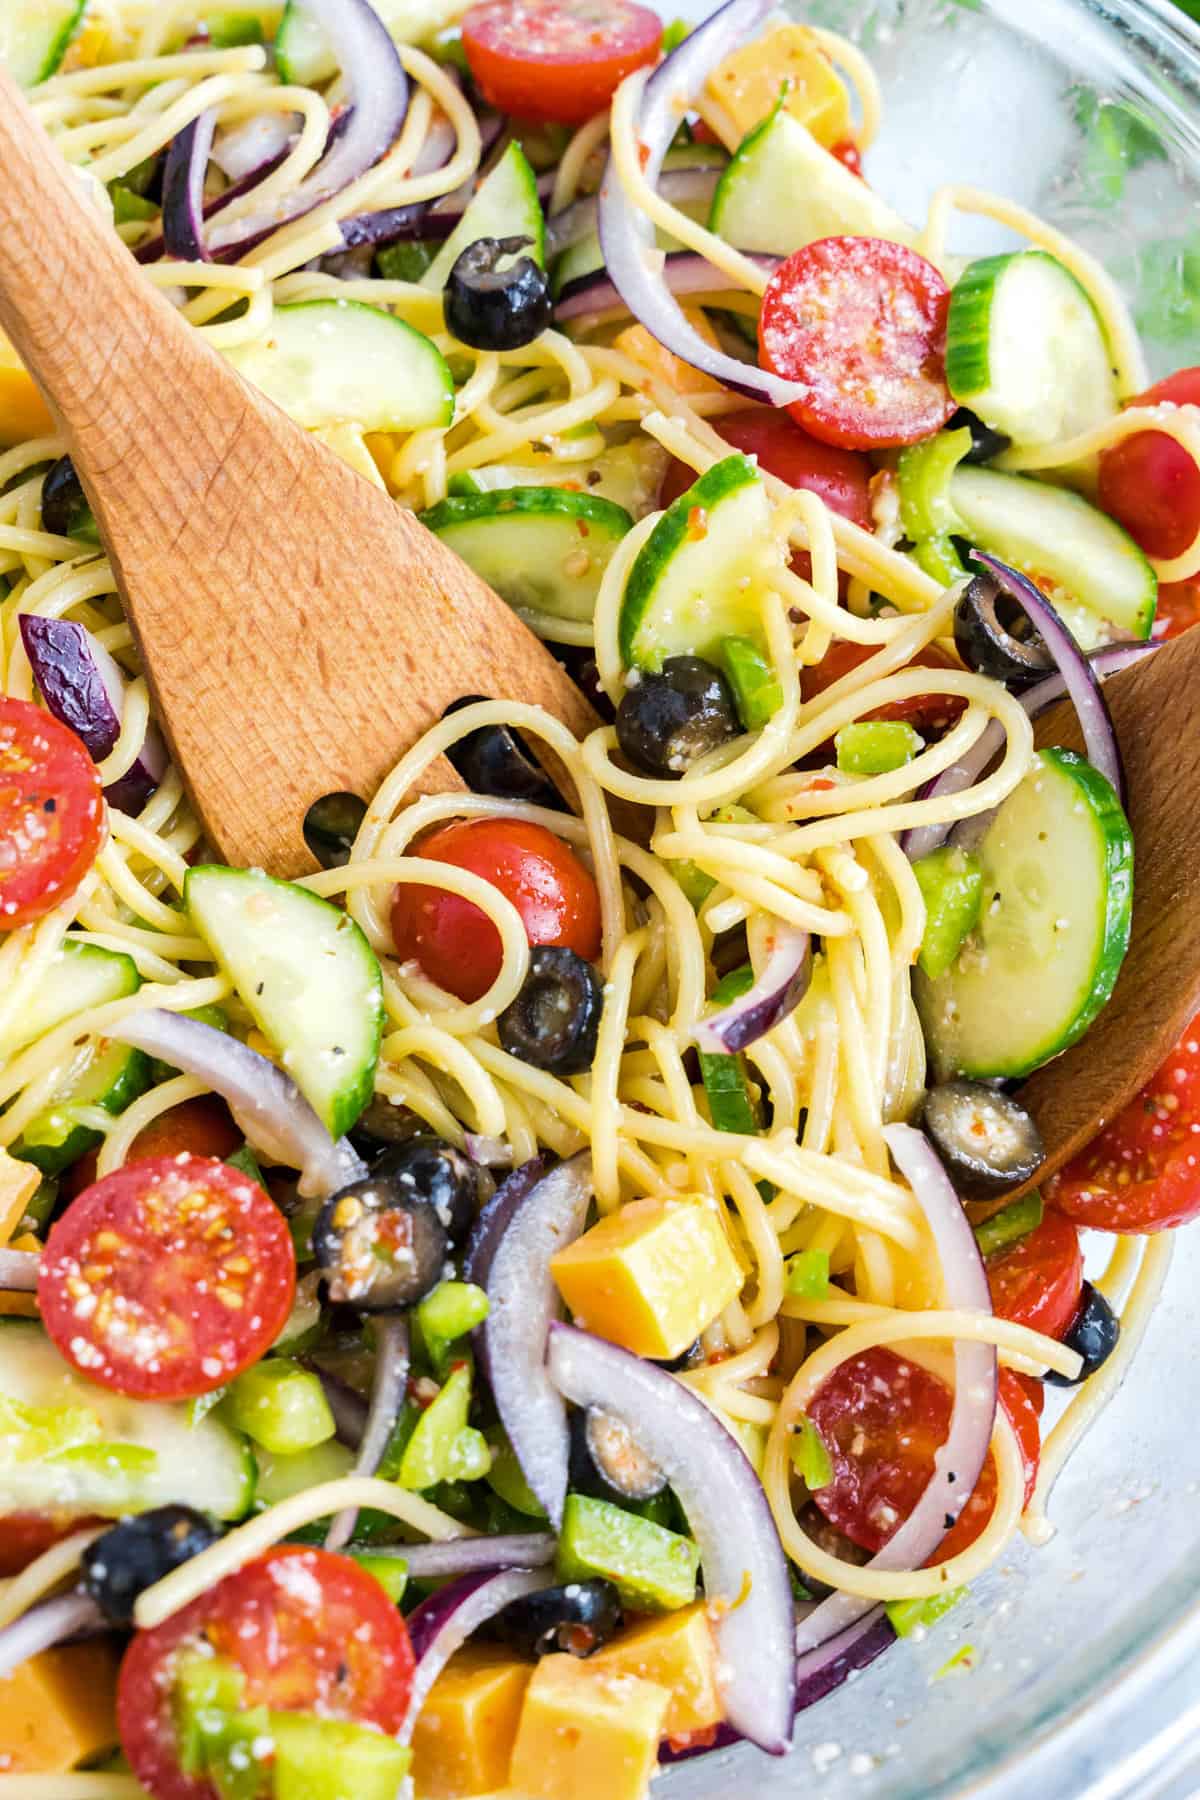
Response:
column 299, row 630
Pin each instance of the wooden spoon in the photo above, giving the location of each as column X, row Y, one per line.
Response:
column 298, row 629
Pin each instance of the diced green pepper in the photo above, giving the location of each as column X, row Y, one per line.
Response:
column 696, row 884
column 246, row 1163
column 334, row 1759
column 807, row 1274
column 213, row 1730
column 876, row 746
column 923, row 473
column 951, row 883
column 230, row 31
column 443, row 1447
column 391, row 1572
column 128, row 207
column 810, row 1456
column 939, row 558
column 908, row 1616
column 1006, row 1228
column 281, row 1406
column 674, row 34
column 404, row 262
column 756, row 690
column 447, row 1314
column 506, row 1479
column 653, row 1570
column 726, row 1083
column 447, row 47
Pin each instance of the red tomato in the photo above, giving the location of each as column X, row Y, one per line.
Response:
column 925, row 712
column 1178, row 609
column 165, row 1279
column 1149, row 483
column 201, row 1127
column 557, row 60
column 883, row 1418
column 51, row 812
column 1039, row 1281
column 840, row 477
column 849, row 155
column 25, row 1535
column 1143, row 1171
column 861, row 323
column 455, row 942
column 311, row 1632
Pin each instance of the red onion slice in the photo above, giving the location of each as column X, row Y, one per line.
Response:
column 443, row 1623
column 627, row 238
column 518, row 1232
column 683, row 271
column 246, row 148
column 18, row 1271
column 43, row 1626
column 469, row 1556
column 776, row 992
column 154, row 249
column 266, row 1103
column 183, row 189
column 488, row 1152
column 377, row 90
column 84, row 688
column 745, row 1569
column 387, row 1397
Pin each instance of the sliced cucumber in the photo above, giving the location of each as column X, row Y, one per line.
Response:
column 1108, row 588
column 302, row 52
column 81, row 976
column 782, row 190
column 507, row 205
column 326, row 362
column 68, row 1445
column 1025, row 349
column 34, row 35
column 307, row 975
column 113, row 1079
column 1057, row 892
column 629, row 474
column 699, row 577
column 543, row 549
column 279, row 1477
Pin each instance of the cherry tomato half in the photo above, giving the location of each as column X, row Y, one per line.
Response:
column 165, row 1279
column 200, row 1127
column 1143, row 1171
column 455, row 942
column 849, row 155
column 925, row 712
column 311, row 1632
column 883, row 1418
column 839, row 477
column 51, row 812
column 557, row 61
column 861, row 324
column 1149, row 483
column 1039, row 1280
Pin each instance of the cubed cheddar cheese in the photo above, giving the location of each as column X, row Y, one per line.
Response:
column 746, row 85
column 638, row 344
column 677, row 1652
column 650, row 1277
column 464, row 1736
column 587, row 1734
column 58, row 1710
column 23, row 412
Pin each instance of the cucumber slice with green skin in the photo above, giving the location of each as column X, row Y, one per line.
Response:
column 507, row 205
column 630, row 475
column 302, row 52
column 114, row 1078
column 34, row 35
column 1025, row 349
column 543, row 549
column 1057, row 868
column 328, row 361
column 699, row 576
column 67, row 1444
column 308, row 977
column 1109, row 589
column 783, row 190
column 756, row 690
column 80, row 977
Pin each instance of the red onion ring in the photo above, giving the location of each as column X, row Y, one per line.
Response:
column 84, row 688
column 683, row 271
column 444, row 1622
column 18, row 1271
column 387, row 1397
column 469, row 1556
column 66, row 1616
column 183, row 189
column 775, row 993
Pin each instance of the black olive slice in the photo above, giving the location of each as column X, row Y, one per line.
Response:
column 667, row 721
column 554, row 1020
column 132, row 1556
column 995, row 638
column 576, row 1619
column 607, row 1462
column 1094, row 1332
column 492, row 307
column 985, row 1139
column 381, row 1244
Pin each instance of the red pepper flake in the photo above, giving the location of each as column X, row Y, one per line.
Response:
column 583, row 528
column 697, row 523
column 643, row 153
column 821, row 784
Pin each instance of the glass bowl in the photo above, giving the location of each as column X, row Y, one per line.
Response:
column 1086, row 1672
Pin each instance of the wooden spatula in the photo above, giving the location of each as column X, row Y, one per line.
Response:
column 299, row 630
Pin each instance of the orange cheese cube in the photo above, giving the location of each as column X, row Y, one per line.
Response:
column 677, row 1652
column 638, row 344
column 58, row 1710
column 650, row 1277
column 464, row 1736
column 23, row 412
column 587, row 1734
column 746, row 85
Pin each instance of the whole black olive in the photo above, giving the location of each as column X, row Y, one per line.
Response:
column 381, row 1244
column 494, row 308
column 986, row 1141
column 607, row 1462
column 494, row 760
column 65, row 509
column 426, row 1169
column 1094, row 1332
column 133, row 1555
column 577, row 1618
column 985, row 443
column 666, row 722
column 554, row 1020
column 995, row 638
column 331, row 825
